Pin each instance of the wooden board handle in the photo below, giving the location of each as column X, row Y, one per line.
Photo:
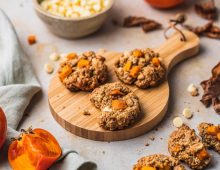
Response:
column 173, row 50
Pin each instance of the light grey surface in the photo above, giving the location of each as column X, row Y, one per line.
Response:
column 116, row 155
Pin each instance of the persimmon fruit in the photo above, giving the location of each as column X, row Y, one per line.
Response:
column 33, row 150
column 3, row 127
column 164, row 3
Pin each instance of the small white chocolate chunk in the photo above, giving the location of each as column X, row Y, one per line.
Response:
column 187, row 113
column 193, row 90
column 48, row 68
column 177, row 122
column 54, row 56
column 107, row 109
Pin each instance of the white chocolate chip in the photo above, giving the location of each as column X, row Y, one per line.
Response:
column 187, row 113
column 54, row 56
column 107, row 109
column 48, row 68
column 177, row 122
column 193, row 90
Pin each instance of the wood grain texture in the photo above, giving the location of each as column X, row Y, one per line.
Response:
column 67, row 107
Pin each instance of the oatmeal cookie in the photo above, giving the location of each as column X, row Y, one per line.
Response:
column 210, row 135
column 140, row 67
column 83, row 72
column 118, row 104
column 157, row 162
column 186, row 146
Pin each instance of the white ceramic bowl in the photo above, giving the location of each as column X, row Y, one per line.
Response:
column 72, row 28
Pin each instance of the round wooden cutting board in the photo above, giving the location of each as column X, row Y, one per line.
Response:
column 68, row 107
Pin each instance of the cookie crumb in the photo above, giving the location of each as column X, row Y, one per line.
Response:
column 187, row 113
column 86, row 113
column 193, row 90
column 177, row 122
column 147, row 144
column 152, row 138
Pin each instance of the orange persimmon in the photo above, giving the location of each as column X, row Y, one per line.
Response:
column 83, row 63
column 134, row 71
column 118, row 104
column 65, row 71
column 164, row 3
column 33, row 150
column 127, row 66
column 3, row 127
column 203, row 154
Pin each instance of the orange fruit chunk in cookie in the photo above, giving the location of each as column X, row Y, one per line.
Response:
column 66, row 71
column 116, row 92
column 134, row 71
column 203, row 154
column 145, row 168
column 137, row 53
column 155, row 61
column 71, row 56
column 83, row 63
column 213, row 130
column 118, row 104
column 127, row 66
column 218, row 136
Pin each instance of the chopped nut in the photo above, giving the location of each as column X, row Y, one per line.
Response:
column 177, row 122
column 207, row 10
column 32, row 39
column 48, row 68
column 193, row 90
column 54, row 56
column 187, row 113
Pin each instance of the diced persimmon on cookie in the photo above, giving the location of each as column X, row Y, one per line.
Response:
column 213, row 130
column 137, row 53
column 127, row 66
column 83, row 63
column 116, row 92
column 71, row 56
column 134, row 71
column 156, row 61
column 65, row 71
column 203, row 154
column 218, row 136
column 118, row 104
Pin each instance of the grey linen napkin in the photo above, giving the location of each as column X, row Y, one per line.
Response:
column 18, row 85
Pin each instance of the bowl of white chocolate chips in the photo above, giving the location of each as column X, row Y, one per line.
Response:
column 73, row 19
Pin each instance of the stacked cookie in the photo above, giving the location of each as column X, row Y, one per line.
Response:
column 119, row 106
column 185, row 146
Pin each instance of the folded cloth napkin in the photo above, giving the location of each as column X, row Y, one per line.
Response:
column 18, row 85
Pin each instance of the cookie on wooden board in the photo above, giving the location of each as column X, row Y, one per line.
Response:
column 118, row 104
column 186, row 146
column 140, row 67
column 83, row 72
column 210, row 135
column 158, row 161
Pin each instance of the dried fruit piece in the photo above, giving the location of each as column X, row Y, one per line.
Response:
column 83, row 63
column 127, row 66
column 65, row 72
column 203, row 154
column 32, row 39
column 137, row 53
column 213, row 130
column 116, row 92
column 156, row 61
column 134, row 71
column 48, row 68
column 177, row 122
column 71, row 56
column 187, row 113
column 218, row 136
column 119, row 104
column 146, row 168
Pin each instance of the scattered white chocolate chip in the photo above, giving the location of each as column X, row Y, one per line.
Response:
column 54, row 56
column 193, row 90
column 48, row 68
column 177, row 122
column 107, row 109
column 187, row 113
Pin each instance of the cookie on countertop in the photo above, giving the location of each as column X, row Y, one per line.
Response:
column 186, row 146
column 210, row 135
column 83, row 72
column 118, row 104
column 157, row 162
column 141, row 67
